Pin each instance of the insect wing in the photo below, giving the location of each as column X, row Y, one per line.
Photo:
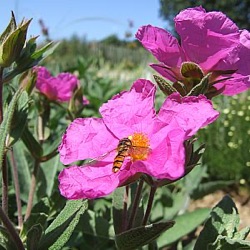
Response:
column 98, row 160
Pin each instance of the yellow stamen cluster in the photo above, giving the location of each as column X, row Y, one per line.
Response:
column 140, row 146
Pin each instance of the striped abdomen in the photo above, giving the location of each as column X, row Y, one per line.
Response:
column 123, row 148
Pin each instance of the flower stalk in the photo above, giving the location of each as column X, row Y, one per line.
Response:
column 135, row 204
column 17, row 189
column 149, row 205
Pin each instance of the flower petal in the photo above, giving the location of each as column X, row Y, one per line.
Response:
column 167, row 159
column 128, row 112
column 207, row 38
column 191, row 112
column 161, row 44
column 65, row 83
column 87, row 182
column 241, row 78
column 86, row 138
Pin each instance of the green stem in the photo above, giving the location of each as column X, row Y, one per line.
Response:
column 5, row 186
column 17, row 189
column 150, row 204
column 136, row 203
column 4, row 167
column 8, row 225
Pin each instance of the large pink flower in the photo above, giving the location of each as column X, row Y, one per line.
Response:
column 59, row 88
column 209, row 39
column 131, row 115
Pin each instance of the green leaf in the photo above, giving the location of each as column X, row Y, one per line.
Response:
column 47, row 177
column 31, row 143
column 23, row 163
column 34, row 236
column 29, row 60
column 224, row 220
column 60, row 230
column 5, row 126
column 39, row 215
column 11, row 26
column 184, row 224
column 140, row 236
column 93, row 224
column 224, row 243
column 117, row 209
column 12, row 46
column 165, row 86
column 19, row 119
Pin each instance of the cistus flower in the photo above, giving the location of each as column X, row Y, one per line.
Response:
column 210, row 43
column 59, row 88
column 149, row 143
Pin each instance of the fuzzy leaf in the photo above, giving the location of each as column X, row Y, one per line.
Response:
column 140, row 236
column 19, row 119
column 5, row 126
column 223, row 221
column 224, row 243
column 60, row 230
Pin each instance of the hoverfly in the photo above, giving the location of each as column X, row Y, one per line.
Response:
column 125, row 148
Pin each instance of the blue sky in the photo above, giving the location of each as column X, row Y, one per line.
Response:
column 93, row 19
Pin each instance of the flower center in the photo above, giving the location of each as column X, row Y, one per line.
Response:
column 140, row 146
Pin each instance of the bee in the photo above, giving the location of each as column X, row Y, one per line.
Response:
column 123, row 148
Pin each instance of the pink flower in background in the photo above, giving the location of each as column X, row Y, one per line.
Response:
column 157, row 140
column 59, row 88
column 209, row 39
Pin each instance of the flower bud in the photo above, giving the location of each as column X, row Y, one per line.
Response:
column 12, row 41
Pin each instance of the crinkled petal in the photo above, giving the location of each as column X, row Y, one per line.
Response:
column 87, row 182
column 207, row 38
column 191, row 113
column 130, row 111
column 86, row 138
column 161, row 44
column 240, row 80
column 167, row 159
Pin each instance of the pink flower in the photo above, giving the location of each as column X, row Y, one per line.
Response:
column 157, row 140
column 59, row 88
column 209, row 39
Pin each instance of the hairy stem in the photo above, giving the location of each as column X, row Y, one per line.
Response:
column 150, row 204
column 1, row 95
column 8, row 225
column 4, row 168
column 5, row 186
column 17, row 189
column 32, row 189
column 136, row 203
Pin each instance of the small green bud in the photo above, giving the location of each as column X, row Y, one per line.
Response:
column 12, row 41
